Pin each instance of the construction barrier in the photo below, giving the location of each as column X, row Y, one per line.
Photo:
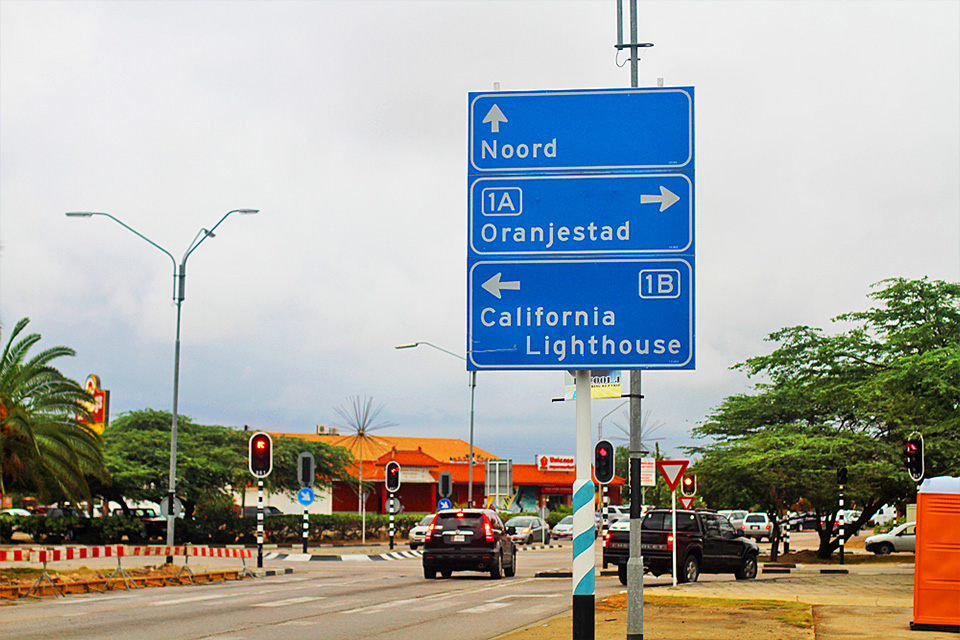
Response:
column 44, row 556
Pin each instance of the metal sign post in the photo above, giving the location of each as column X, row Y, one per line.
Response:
column 584, row 561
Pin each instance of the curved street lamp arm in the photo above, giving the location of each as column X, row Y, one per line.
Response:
column 417, row 344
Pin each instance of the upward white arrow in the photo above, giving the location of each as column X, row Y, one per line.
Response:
column 494, row 117
column 666, row 198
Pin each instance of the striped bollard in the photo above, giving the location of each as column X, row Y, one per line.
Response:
column 391, row 521
column 306, row 528
column 260, row 523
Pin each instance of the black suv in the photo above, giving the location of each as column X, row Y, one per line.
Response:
column 706, row 543
column 468, row 540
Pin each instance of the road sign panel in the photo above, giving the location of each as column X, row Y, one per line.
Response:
column 672, row 471
column 581, row 215
column 444, row 503
column 580, row 314
column 590, row 130
column 305, row 496
column 686, row 502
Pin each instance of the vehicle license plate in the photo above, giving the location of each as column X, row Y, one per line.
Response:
column 459, row 538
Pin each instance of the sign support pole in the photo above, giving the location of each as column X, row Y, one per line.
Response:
column 635, row 561
column 673, row 507
column 584, row 560
column 306, row 528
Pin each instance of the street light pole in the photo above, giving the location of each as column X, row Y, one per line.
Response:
column 179, row 293
column 473, row 389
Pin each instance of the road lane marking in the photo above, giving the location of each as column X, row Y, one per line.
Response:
column 484, row 608
column 191, row 599
column 288, row 601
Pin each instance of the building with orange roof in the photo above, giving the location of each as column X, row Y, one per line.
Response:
column 545, row 484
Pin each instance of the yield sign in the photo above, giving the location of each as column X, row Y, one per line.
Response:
column 686, row 501
column 672, row 471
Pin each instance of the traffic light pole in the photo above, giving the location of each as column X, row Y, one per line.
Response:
column 635, row 561
column 841, row 524
column 392, row 509
column 260, row 523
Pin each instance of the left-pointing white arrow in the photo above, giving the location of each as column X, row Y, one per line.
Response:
column 494, row 117
column 666, row 198
column 494, row 286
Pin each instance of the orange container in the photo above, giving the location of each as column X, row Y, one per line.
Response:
column 936, row 577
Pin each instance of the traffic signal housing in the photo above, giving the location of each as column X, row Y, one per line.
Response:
column 913, row 456
column 392, row 473
column 445, row 485
column 261, row 454
column 305, row 469
column 841, row 476
column 603, row 466
column 688, row 486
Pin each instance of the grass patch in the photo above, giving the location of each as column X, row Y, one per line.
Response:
column 796, row 614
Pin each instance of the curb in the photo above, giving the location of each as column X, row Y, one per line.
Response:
column 267, row 573
column 350, row 557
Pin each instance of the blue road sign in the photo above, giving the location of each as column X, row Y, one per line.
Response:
column 305, row 496
column 590, row 130
column 627, row 313
column 444, row 503
column 581, row 215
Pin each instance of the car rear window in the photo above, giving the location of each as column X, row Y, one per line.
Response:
column 756, row 518
column 664, row 521
column 473, row 522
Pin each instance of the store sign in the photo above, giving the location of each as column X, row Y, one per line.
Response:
column 99, row 406
column 556, row 463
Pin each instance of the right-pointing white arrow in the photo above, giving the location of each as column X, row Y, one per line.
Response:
column 666, row 198
column 494, row 286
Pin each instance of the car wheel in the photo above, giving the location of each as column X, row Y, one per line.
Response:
column 885, row 548
column 546, row 538
column 748, row 569
column 446, row 573
column 622, row 573
column 496, row 571
column 690, row 570
column 512, row 571
column 529, row 539
column 413, row 546
column 429, row 574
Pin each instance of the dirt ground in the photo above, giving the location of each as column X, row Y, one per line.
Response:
column 680, row 618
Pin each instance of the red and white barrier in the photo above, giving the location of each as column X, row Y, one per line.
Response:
column 75, row 553
column 221, row 552
column 15, row 555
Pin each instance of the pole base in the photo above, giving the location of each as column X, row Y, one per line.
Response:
column 583, row 623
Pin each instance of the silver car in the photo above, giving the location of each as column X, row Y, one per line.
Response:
column 419, row 532
column 563, row 529
column 529, row 529
column 901, row 538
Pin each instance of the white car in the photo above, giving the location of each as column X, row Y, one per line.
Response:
column 902, row 538
column 419, row 532
column 563, row 529
column 757, row 525
column 735, row 516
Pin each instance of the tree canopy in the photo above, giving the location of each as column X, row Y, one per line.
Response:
column 44, row 449
column 848, row 399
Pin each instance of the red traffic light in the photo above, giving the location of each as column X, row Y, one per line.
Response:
column 392, row 476
column 603, row 462
column 261, row 454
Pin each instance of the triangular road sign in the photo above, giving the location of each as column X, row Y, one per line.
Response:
column 672, row 471
column 687, row 501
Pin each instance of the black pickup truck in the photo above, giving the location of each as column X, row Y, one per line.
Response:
column 706, row 543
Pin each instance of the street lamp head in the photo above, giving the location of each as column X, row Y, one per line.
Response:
column 245, row 211
column 79, row 214
column 407, row 346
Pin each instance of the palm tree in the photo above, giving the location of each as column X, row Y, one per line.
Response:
column 361, row 416
column 43, row 446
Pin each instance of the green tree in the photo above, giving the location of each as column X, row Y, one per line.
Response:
column 43, row 447
column 848, row 399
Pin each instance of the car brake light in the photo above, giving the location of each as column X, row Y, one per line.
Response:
column 487, row 529
column 429, row 534
column 669, row 543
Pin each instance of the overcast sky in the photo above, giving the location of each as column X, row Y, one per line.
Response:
column 828, row 159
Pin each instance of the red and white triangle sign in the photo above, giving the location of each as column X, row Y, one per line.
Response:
column 672, row 471
column 687, row 501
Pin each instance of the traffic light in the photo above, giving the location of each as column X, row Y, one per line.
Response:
column 445, row 488
column 305, row 466
column 913, row 453
column 841, row 476
column 688, row 486
column 261, row 454
column 603, row 466
column 392, row 474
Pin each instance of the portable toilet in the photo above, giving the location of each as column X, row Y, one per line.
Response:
column 936, row 576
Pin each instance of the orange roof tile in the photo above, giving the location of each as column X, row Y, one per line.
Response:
column 374, row 447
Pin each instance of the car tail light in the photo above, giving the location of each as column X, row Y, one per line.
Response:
column 768, row 525
column 487, row 529
column 429, row 534
column 669, row 543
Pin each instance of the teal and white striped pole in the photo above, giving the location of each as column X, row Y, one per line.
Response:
column 584, row 562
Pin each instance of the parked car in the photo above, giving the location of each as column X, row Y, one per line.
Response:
column 77, row 524
column 15, row 512
column 154, row 525
column 901, row 538
column 757, row 525
column 735, row 516
column 801, row 521
column 268, row 512
column 529, row 529
column 563, row 529
column 417, row 534
column 469, row 540
column 706, row 543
